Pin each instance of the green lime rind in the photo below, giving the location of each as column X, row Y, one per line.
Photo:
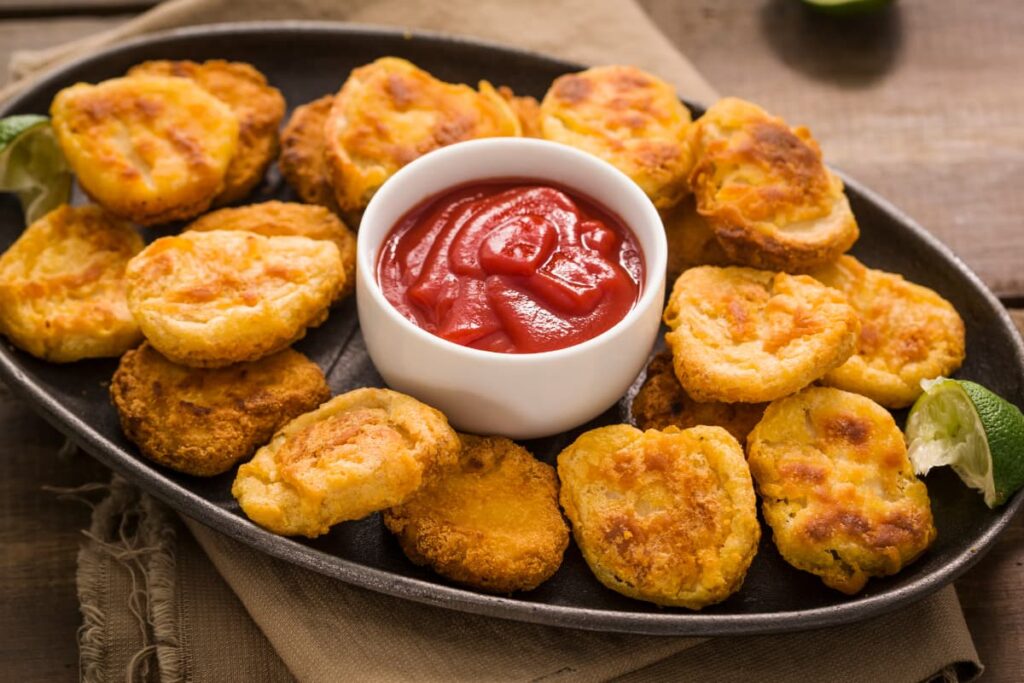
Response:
column 846, row 8
column 1004, row 431
column 32, row 165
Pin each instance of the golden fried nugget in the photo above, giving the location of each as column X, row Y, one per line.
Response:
column 149, row 149
column 629, row 118
column 526, row 109
column 209, row 299
column 62, row 286
column 302, row 161
column 202, row 421
column 360, row 452
column 258, row 106
column 668, row 517
column 745, row 335
column 491, row 522
column 662, row 402
column 390, row 112
column 691, row 241
column 288, row 218
column 907, row 333
column 837, row 487
column 765, row 190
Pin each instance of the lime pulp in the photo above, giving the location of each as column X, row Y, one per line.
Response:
column 32, row 165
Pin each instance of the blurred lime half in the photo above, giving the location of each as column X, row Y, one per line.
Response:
column 32, row 165
column 846, row 7
column 978, row 434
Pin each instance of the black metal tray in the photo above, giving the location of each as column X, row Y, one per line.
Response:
column 307, row 60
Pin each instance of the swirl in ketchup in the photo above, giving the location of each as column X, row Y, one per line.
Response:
column 511, row 266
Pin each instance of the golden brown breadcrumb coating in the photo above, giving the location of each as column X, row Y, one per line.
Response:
column 837, row 487
column 202, row 421
column 691, row 241
column 491, row 522
column 302, row 162
column 527, row 110
column 62, row 286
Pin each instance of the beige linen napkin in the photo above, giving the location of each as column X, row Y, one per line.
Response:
column 153, row 605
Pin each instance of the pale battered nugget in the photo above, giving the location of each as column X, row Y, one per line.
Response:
column 662, row 402
column 629, row 118
column 390, row 112
column 668, row 517
column 149, row 149
column 202, row 421
column 691, row 241
column 258, row 106
column 745, row 335
column 492, row 522
column 288, row 218
column 907, row 333
column 361, row 452
column 765, row 190
column 837, row 487
column 62, row 286
column 209, row 299
column 527, row 110
column 302, row 161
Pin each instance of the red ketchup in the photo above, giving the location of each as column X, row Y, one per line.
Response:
column 512, row 266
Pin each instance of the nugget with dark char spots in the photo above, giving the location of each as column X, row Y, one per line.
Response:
column 303, row 146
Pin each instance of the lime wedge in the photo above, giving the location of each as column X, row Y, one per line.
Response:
column 32, row 165
column 846, row 8
column 978, row 434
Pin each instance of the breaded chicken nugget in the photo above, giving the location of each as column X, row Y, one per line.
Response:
column 302, row 161
column 148, row 149
column 837, row 487
column 360, row 452
column 62, row 286
column 209, row 299
column 668, row 517
column 629, row 118
column 390, row 112
column 258, row 106
column 907, row 333
column 288, row 218
column 662, row 402
column 745, row 335
column 765, row 190
column 527, row 110
column 492, row 522
column 691, row 241
column 202, row 421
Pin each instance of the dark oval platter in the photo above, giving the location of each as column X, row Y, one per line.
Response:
column 307, row 60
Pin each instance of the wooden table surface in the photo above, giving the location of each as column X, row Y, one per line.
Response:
column 923, row 103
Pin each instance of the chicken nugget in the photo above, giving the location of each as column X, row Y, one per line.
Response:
column 668, row 517
column 390, row 112
column 258, row 106
column 629, row 118
column 765, row 190
column 149, row 149
column 302, row 161
column 202, row 421
column 837, row 487
column 492, row 522
column 361, row 452
column 526, row 109
column 209, row 299
column 907, row 333
column 741, row 335
column 691, row 241
column 662, row 402
column 62, row 286
column 289, row 218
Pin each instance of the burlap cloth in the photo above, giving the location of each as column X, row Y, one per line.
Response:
column 164, row 598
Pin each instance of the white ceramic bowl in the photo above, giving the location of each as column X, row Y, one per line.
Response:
column 521, row 396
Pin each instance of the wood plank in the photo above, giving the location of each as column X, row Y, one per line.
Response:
column 29, row 34
column 35, row 8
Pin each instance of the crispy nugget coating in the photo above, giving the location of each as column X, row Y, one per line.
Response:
column 526, row 109
column 765, row 190
column 491, row 522
column 837, row 487
column 209, row 299
column 302, row 161
column 907, row 333
column 149, row 149
column 629, row 118
column 62, row 286
column 668, row 517
column 258, row 106
column 289, row 218
column 741, row 335
column 662, row 402
column 390, row 112
column 361, row 452
column 202, row 421
column 691, row 241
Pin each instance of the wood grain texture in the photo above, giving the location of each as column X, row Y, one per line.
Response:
column 37, row 33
